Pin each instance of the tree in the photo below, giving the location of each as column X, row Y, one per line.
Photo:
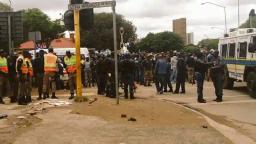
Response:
column 36, row 20
column 247, row 23
column 161, row 42
column 5, row 7
column 191, row 49
column 209, row 43
column 101, row 35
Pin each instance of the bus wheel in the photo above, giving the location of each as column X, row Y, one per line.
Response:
column 228, row 82
column 251, row 84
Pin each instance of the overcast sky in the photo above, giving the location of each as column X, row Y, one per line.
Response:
column 157, row 15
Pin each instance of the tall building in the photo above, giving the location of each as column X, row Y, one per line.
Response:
column 180, row 28
column 190, row 38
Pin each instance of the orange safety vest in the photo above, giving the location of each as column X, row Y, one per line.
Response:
column 50, row 63
column 30, row 67
column 3, row 65
column 71, row 63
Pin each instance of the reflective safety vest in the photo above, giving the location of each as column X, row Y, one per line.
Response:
column 24, row 67
column 3, row 65
column 71, row 63
column 30, row 67
column 50, row 62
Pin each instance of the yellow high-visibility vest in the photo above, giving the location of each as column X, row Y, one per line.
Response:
column 50, row 62
column 71, row 63
column 3, row 65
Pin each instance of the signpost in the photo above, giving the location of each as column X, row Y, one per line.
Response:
column 76, row 8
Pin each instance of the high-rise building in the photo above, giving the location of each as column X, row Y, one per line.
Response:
column 180, row 28
column 190, row 38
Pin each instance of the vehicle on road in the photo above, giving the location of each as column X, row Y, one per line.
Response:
column 239, row 53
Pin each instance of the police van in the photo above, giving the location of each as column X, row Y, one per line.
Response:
column 239, row 53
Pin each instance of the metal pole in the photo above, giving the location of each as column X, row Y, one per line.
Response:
column 115, row 49
column 238, row 13
column 226, row 28
column 9, row 33
column 78, row 55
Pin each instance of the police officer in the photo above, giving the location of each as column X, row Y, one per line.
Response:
column 3, row 74
column 181, row 75
column 128, row 68
column 200, row 71
column 22, row 67
column 13, row 80
column 109, row 64
column 101, row 75
column 39, row 72
column 50, row 69
column 28, row 82
column 217, row 73
column 70, row 62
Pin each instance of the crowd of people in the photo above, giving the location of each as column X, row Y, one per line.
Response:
column 19, row 70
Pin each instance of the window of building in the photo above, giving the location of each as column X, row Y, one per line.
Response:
column 224, row 49
column 232, row 50
column 243, row 50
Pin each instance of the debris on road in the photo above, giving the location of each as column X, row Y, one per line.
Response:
column 41, row 106
column 123, row 116
column 93, row 100
column 2, row 116
column 205, row 126
column 21, row 117
column 132, row 119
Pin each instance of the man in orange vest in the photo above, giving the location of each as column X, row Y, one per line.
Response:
column 22, row 67
column 50, row 69
column 70, row 62
column 3, row 74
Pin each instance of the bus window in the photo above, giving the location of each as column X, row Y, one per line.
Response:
column 254, row 40
column 224, row 49
column 232, row 50
column 243, row 50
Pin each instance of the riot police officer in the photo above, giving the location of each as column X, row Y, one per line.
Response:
column 217, row 73
column 200, row 70
column 127, row 69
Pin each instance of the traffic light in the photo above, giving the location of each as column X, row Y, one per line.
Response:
column 86, row 17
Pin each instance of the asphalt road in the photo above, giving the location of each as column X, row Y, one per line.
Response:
column 237, row 109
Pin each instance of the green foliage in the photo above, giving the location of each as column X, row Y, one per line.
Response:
column 36, row 20
column 191, row 49
column 247, row 23
column 209, row 43
column 101, row 36
column 161, row 42
column 5, row 7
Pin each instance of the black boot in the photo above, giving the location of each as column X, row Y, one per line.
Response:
column 44, row 96
column 28, row 99
column 1, row 101
column 21, row 100
column 53, row 96
column 71, row 97
column 13, row 100
column 40, row 97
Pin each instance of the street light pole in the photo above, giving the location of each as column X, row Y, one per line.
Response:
column 238, row 3
column 225, row 13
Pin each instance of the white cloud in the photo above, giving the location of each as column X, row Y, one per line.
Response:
column 157, row 15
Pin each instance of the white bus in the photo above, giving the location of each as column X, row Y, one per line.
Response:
column 239, row 54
